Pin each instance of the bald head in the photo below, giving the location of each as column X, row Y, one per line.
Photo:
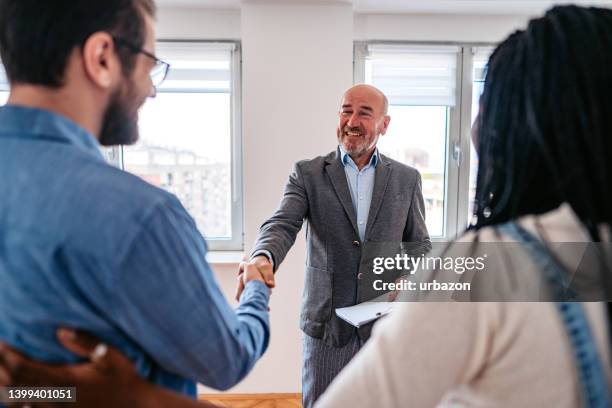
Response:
column 363, row 119
column 370, row 92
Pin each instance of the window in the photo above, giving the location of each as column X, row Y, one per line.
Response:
column 429, row 87
column 418, row 138
column 189, row 138
column 420, row 82
column 4, row 86
column 480, row 57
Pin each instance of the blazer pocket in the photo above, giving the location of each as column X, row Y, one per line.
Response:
column 401, row 197
column 317, row 294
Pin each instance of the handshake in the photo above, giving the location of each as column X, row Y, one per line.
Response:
column 259, row 268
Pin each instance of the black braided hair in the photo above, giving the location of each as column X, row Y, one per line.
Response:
column 545, row 126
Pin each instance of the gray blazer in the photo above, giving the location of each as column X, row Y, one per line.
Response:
column 318, row 192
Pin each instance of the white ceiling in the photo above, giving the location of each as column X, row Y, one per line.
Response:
column 519, row 7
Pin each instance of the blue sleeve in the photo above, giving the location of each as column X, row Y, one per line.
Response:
column 167, row 300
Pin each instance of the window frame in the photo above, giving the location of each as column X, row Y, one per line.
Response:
column 236, row 242
column 458, row 142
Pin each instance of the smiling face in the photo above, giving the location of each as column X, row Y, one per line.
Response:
column 362, row 120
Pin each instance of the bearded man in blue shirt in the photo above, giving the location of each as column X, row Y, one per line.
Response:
column 86, row 245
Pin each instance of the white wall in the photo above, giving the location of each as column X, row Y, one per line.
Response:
column 297, row 61
column 293, row 76
column 198, row 24
column 435, row 27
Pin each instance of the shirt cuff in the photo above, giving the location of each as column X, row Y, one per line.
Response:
column 265, row 253
column 254, row 288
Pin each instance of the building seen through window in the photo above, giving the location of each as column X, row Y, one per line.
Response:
column 187, row 138
column 187, row 153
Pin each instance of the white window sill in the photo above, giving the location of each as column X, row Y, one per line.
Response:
column 224, row 257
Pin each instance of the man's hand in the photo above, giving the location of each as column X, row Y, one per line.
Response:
column 391, row 296
column 108, row 379
column 258, row 268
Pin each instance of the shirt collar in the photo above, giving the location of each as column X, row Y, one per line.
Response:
column 36, row 123
column 346, row 159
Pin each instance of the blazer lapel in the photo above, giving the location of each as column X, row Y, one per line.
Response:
column 337, row 176
column 381, row 179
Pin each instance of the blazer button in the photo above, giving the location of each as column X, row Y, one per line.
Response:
column 356, row 243
column 360, row 275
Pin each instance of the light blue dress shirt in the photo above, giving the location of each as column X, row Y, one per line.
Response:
column 361, row 185
column 88, row 246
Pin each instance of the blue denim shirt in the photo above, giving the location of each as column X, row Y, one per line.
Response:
column 88, row 246
column 361, row 186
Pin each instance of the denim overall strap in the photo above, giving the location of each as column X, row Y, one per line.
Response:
column 591, row 374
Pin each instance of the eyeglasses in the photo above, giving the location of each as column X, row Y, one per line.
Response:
column 159, row 72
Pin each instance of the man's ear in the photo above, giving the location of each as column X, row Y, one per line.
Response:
column 100, row 61
column 386, row 120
